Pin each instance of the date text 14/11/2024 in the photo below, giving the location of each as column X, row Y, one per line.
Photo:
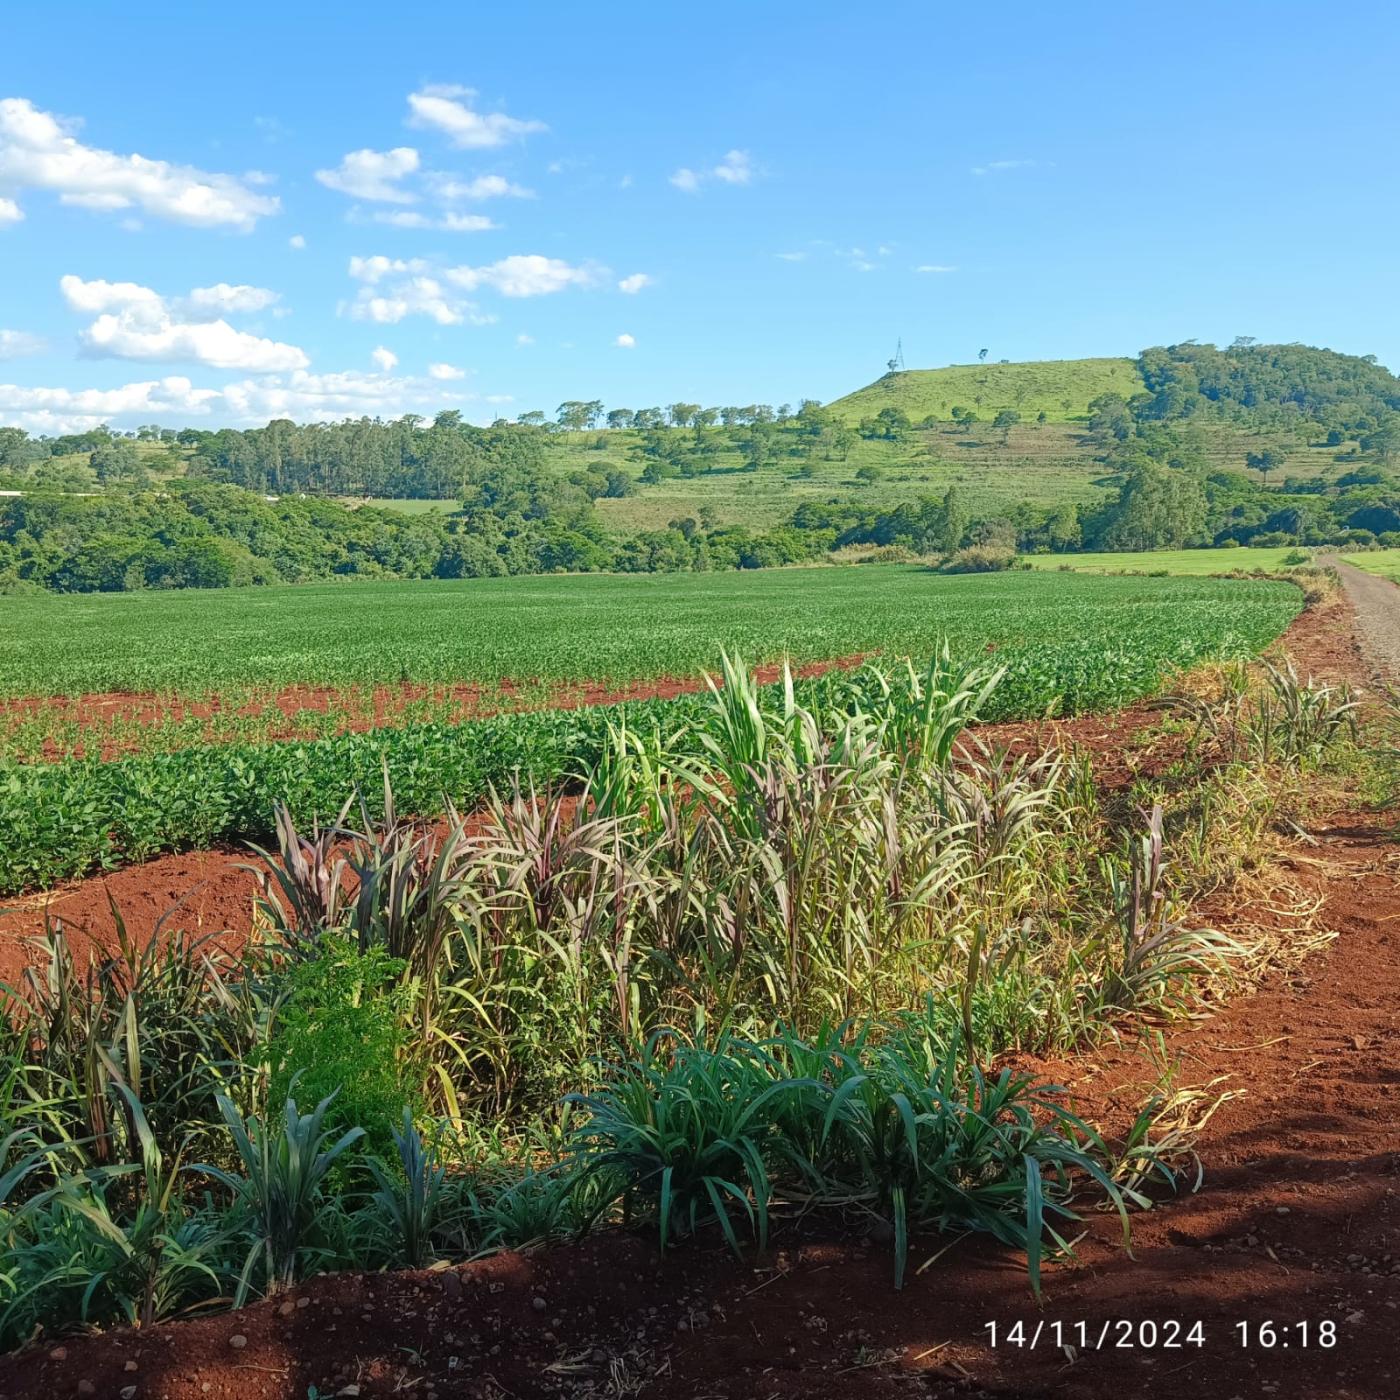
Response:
column 1147, row 1334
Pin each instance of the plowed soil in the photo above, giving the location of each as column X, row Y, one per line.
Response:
column 1295, row 1222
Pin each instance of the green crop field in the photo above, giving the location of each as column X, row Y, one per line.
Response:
column 596, row 627
column 1067, row 642
column 1196, row 562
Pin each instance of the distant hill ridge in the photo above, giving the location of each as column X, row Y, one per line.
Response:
column 1061, row 389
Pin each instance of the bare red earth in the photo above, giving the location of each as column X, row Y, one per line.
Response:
column 289, row 712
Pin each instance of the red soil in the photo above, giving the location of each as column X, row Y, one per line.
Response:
column 294, row 711
column 1296, row 1222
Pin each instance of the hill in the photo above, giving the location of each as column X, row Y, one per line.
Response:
column 1061, row 389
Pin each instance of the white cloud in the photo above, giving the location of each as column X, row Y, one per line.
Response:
column 626, row 342
column 442, row 371
column 373, row 175
column 450, row 189
column 297, row 241
column 15, row 344
column 524, row 275
column 395, row 288
column 384, row 358
column 634, row 284
column 137, row 323
column 408, row 290
column 301, row 396
column 935, row 267
column 737, row 168
column 67, row 410
column 39, row 151
column 104, row 296
column 449, row 222
column 416, row 296
column 320, row 397
column 10, row 212
column 374, row 269
column 448, row 109
column 792, row 257
column 222, row 297
column 523, row 339
column 130, row 335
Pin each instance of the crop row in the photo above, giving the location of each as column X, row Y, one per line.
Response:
column 63, row 819
column 595, row 629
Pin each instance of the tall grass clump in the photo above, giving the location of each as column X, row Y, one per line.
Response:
column 777, row 962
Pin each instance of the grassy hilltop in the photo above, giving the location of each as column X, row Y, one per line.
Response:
column 1061, row 389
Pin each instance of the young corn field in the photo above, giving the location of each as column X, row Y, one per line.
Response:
column 779, row 959
column 177, row 780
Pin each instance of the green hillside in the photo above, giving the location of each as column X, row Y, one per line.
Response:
column 1061, row 389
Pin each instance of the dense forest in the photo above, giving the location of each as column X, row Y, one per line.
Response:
column 190, row 508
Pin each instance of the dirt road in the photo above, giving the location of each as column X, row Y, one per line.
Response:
column 1377, row 603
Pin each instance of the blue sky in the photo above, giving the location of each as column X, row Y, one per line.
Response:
column 219, row 215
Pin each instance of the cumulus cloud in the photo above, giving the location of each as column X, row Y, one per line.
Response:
column 448, row 222
column 524, row 275
column 297, row 241
column 70, row 410
column 935, row 267
column 223, row 297
column 626, row 342
column 138, row 323
column 307, row 397
column 384, row 358
column 15, row 344
column 450, row 110
column 450, row 189
column 301, row 396
column 634, row 284
column 737, row 168
column 395, row 288
column 523, row 339
column 374, row 175
column 444, row 371
column 38, row 150
column 10, row 212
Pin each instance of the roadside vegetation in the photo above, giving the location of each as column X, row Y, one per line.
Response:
column 781, row 958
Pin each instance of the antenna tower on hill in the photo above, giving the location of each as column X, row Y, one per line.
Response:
column 896, row 365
